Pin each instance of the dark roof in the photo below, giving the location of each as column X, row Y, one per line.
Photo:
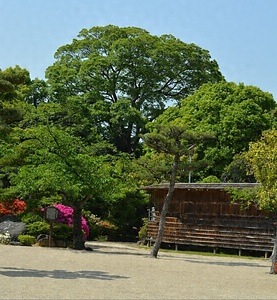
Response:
column 201, row 186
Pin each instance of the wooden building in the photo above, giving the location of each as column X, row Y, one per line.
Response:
column 202, row 214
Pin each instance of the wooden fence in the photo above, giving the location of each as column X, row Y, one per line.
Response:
column 207, row 217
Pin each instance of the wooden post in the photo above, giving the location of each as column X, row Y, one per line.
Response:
column 50, row 234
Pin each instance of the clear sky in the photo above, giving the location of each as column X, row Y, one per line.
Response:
column 239, row 34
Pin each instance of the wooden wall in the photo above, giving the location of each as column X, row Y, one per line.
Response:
column 208, row 218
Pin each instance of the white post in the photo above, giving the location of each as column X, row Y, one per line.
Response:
column 190, row 160
column 190, row 169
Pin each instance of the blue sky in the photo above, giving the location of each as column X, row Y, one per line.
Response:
column 239, row 34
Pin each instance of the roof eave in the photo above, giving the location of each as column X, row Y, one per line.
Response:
column 201, row 186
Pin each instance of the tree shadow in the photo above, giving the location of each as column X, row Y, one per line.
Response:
column 225, row 263
column 58, row 274
column 121, row 253
column 116, row 250
column 107, row 249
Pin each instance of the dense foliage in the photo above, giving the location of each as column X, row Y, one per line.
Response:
column 236, row 114
column 177, row 142
column 119, row 79
column 77, row 138
column 262, row 161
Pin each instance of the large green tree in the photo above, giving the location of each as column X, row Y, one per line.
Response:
column 47, row 162
column 56, row 166
column 235, row 113
column 262, row 161
column 125, row 77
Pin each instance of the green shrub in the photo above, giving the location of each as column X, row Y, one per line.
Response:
column 26, row 240
column 37, row 228
column 31, row 217
column 142, row 234
column 62, row 232
column 211, row 179
column 107, row 228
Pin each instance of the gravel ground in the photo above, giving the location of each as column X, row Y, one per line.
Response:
column 118, row 271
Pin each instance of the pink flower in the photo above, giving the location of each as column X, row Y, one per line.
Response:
column 66, row 217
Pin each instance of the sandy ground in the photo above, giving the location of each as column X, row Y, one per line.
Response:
column 118, row 271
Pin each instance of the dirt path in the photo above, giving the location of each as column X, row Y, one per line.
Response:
column 117, row 271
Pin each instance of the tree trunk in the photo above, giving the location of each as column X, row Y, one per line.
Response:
column 78, row 235
column 164, row 211
column 273, row 257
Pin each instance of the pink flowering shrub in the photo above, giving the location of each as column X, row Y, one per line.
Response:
column 66, row 217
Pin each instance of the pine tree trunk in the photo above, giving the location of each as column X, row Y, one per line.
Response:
column 78, row 235
column 274, row 257
column 164, row 211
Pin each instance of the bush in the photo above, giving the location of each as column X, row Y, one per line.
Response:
column 211, row 179
column 107, row 228
column 26, row 240
column 62, row 232
column 37, row 228
column 142, row 234
column 12, row 208
column 31, row 217
column 66, row 217
column 99, row 228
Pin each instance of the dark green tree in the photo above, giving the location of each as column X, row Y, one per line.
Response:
column 14, row 83
column 13, row 88
column 152, row 168
column 38, row 92
column 236, row 171
column 175, row 141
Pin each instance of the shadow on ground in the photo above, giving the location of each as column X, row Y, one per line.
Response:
column 223, row 263
column 107, row 249
column 113, row 250
column 58, row 274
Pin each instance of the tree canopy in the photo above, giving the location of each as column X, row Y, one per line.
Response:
column 56, row 165
column 262, row 161
column 14, row 82
column 235, row 113
column 13, row 87
column 45, row 163
column 176, row 141
column 125, row 77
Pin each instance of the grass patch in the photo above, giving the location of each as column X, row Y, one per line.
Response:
column 209, row 252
